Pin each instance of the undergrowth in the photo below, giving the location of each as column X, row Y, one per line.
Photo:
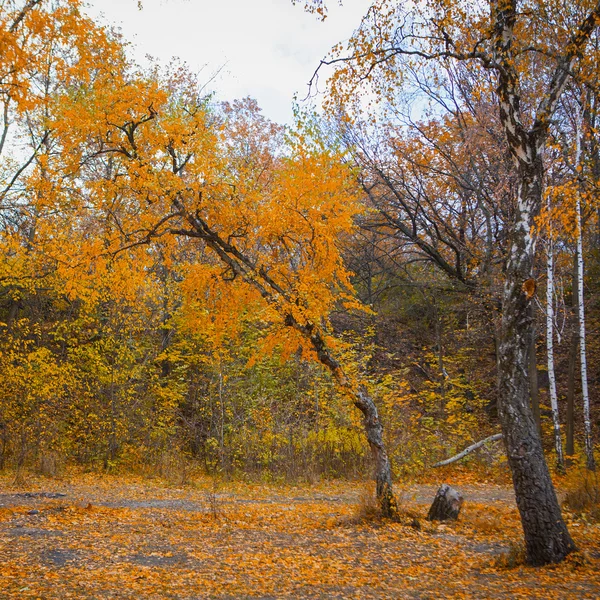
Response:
column 368, row 510
column 583, row 495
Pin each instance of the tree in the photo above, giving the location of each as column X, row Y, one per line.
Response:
column 154, row 160
column 43, row 48
column 532, row 49
column 573, row 207
column 589, row 447
column 560, row 465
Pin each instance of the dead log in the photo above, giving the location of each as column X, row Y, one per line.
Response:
column 468, row 450
column 446, row 504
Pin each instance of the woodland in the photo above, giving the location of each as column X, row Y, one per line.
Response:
column 215, row 329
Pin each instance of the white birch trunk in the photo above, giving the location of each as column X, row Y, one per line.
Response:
column 560, row 463
column 587, row 422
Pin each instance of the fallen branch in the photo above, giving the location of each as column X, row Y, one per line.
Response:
column 448, row 461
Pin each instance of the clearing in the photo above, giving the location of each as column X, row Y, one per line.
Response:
column 99, row 537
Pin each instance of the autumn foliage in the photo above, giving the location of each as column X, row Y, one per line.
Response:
column 189, row 289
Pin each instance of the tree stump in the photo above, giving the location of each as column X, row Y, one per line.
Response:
column 446, row 504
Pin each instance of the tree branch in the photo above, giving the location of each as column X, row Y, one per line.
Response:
column 23, row 13
column 468, row 450
column 563, row 69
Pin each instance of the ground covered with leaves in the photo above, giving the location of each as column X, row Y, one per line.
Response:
column 110, row 537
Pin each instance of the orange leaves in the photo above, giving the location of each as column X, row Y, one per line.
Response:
column 162, row 228
column 559, row 216
column 529, row 286
column 147, row 540
column 133, row 157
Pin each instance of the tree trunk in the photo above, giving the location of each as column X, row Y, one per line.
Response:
column 560, row 463
column 534, row 388
column 383, row 471
column 468, row 450
column 446, row 504
column 546, row 536
column 587, row 422
column 13, row 313
column 440, row 348
column 570, row 446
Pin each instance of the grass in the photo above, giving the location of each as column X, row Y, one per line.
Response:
column 583, row 495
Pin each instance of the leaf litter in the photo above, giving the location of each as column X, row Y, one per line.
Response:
column 132, row 538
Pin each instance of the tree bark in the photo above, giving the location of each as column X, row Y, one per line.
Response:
column 13, row 313
column 560, row 462
column 440, row 348
column 446, row 504
column 570, row 446
column 468, row 450
column 534, row 388
column 383, row 471
column 546, row 536
column 570, row 441
column 547, row 539
column 587, row 422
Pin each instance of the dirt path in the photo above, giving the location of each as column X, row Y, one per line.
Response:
column 122, row 539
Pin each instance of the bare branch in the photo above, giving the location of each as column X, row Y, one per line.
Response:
column 468, row 450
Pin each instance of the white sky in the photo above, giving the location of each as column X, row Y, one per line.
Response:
column 269, row 49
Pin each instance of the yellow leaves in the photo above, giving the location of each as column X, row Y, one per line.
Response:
column 134, row 146
column 558, row 216
column 129, row 168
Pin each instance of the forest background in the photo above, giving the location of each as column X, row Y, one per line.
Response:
column 171, row 264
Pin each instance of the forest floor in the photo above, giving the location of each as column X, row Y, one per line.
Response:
column 96, row 537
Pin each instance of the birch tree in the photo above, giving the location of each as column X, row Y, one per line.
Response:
column 532, row 49
column 560, row 463
column 587, row 422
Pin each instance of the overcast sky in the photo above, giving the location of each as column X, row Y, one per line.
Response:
column 268, row 48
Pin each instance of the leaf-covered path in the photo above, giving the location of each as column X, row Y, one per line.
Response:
column 134, row 539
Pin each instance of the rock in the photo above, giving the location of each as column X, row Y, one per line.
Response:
column 33, row 512
column 446, row 504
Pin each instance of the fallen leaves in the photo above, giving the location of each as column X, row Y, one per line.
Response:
column 130, row 539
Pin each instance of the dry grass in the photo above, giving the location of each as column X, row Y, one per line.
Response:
column 583, row 495
column 51, row 464
column 214, row 502
column 368, row 510
column 515, row 557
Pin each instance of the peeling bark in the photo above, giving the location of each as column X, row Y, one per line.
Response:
column 546, row 536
